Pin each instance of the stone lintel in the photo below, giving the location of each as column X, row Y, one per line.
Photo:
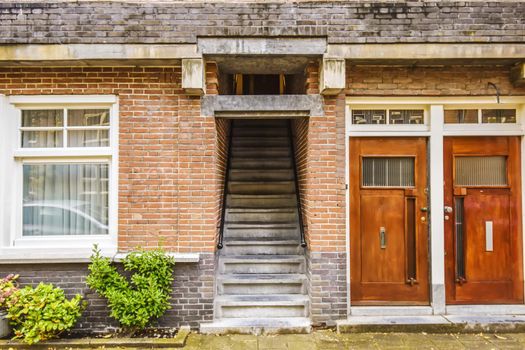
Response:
column 332, row 76
column 82, row 54
column 257, row 105
column 193, row 73
column 262, row 46
column 434, row 51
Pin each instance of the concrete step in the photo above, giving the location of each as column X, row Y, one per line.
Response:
column 257, row 232
column 259, row 131
column 258, row 264
column 268, row 141
column 270, row 215
column 261, row 201
column 232, row 284
column 255, row 123
column 253, row 305
column 258, row 326
column 261, row 163
column 255, row 152
column 262, row 247
column 258, row 187
column 261, row 175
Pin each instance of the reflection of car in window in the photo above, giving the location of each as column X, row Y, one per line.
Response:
column 49, row 218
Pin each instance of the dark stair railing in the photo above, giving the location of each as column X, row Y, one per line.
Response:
column 225, row 190
column 296, row 181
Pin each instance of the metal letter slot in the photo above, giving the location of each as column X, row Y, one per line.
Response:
column 382, row 237
column 489, row 244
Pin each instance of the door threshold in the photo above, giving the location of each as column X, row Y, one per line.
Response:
column 390, row 311
column 433, row 324
column 517, row 309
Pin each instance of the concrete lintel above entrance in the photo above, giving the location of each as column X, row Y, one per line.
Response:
column 262, row 46
column 281, row 105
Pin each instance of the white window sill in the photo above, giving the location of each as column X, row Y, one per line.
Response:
column 72, row 255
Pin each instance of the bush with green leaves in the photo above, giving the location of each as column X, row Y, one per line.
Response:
column 136, row 301
column 42, row 313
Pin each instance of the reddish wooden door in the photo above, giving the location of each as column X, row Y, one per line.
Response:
column 388, row 221
column 483, row 220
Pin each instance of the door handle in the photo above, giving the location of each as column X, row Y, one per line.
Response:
column 448, row 209
column 382, row 237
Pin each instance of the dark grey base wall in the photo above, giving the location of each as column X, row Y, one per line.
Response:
column 327, row 287
column 192, row 300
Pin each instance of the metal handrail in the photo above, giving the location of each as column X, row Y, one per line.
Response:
column 296, row 181
column 225, row 190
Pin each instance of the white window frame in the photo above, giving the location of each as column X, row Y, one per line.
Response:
column 16, row 157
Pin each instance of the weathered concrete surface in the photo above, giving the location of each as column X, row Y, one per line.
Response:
column 311, row 104
column 332, row 76
column 265, row 46
column 328, row 340
column 193, row 76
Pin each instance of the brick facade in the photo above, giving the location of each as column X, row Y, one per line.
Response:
column 429, row 81
column 172, row 158
column 361, row 21
column 191, row 303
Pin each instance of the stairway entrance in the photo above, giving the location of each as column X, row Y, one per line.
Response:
column 261, row 280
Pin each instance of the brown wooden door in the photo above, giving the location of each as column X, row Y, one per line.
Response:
column 483, row 262
column 388, row 221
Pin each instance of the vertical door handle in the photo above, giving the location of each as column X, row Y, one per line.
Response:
column 382, row 237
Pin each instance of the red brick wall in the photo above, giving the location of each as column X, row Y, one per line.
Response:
column 428, row 81
column 167, row 171
column 319, row 142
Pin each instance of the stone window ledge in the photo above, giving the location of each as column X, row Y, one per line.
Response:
column 64, row 255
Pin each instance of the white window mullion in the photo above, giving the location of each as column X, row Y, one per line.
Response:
column 65, row 129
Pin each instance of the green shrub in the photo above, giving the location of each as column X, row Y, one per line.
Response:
column 145, row 296
column 42, row 313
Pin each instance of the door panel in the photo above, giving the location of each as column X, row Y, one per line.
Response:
column 389, row 243
column 384, row 216
column 483, row 247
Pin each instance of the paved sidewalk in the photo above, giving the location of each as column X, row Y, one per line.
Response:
column 329, row 340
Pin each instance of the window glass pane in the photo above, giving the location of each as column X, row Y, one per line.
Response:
column 481, row 171
column 368, row 116
column 43, row 118
column 461, row 116
column 88, row 138
column 88, row 117
column 65, row 199
column 406, row 116
column 34, row 139
column 388, row 172
column 498, row 115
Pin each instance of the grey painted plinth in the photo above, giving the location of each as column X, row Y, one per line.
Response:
column 5, row 330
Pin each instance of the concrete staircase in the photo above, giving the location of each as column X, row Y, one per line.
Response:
column 261, row 281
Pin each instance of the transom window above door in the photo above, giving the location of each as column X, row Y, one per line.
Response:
column 388, row 116
column 481, row 116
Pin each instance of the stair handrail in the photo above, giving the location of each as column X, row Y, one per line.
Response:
column 296, row 182
column 225, row 189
